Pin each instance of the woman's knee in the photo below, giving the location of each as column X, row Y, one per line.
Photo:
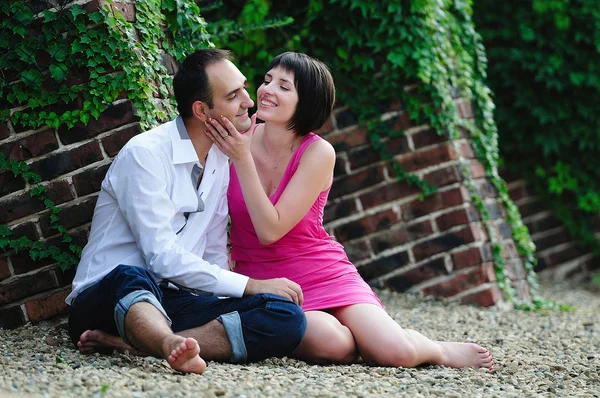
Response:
column 328, row 342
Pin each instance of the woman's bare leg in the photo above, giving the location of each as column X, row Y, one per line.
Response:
column 382, row 342
column 326, row 341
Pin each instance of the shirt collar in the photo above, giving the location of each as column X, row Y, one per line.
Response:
column 183, row 149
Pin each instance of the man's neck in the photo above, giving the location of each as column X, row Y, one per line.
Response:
column 199, row 139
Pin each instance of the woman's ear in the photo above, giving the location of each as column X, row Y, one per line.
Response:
column 200, row 111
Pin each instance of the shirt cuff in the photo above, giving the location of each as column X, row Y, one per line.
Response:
column 231, row 284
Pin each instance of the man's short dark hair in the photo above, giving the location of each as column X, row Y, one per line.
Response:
column 191, row 83
column 315, row 87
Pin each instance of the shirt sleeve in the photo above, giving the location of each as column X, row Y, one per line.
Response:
column 139, row 182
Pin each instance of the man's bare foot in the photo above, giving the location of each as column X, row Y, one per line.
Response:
column 185, row 356
column 465, row 355
column 92, row 341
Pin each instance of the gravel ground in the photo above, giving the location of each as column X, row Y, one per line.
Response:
column 546, row 353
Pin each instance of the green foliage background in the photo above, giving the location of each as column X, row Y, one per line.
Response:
column 545, row 72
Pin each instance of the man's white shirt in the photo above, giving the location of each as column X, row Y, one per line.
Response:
column 151, row 213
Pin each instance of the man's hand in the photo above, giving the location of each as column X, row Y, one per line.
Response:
column 280, row 286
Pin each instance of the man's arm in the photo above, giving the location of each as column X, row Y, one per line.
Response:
column 139, row 182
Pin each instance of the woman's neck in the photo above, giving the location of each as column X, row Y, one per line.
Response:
column 277, row 138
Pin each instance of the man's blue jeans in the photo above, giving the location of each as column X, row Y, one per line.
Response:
column 258, row 326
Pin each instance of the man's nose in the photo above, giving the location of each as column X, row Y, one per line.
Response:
column 248, row 103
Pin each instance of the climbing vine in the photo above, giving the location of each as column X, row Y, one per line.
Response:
column 380, row 49
column 75, row 66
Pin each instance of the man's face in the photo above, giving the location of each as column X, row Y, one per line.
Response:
column 230, row 97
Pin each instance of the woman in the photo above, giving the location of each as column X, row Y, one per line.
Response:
column 281, row 174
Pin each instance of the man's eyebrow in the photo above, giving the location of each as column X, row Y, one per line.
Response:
column 236, row 90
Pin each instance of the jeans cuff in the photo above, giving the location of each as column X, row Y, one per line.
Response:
column 233, row 326
column 126, row 302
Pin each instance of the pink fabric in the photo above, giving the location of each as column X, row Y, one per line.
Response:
column 306, row 255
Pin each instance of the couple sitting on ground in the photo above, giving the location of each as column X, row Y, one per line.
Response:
column 154, row 277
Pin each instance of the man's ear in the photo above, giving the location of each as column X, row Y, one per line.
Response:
column 200, row 111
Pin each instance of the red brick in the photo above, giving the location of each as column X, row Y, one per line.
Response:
column 65, row 278
column 363, row 157
column 531, row 208
column 388, row 193
column 493, row 209
column 466, row 150
column 465, row 109
column 26, row 229
column 435, row 202
column 4, row 270
column 445, row 176
column 547, row 223
column 523, row 293
column 47, row 307
column 31, row 146
column 12, row 317
column 354, row 182
column 348, row 140
column 26, row 286
column 552, row 240
column 382, row 266
column 18, row 206
column 397, row 145
column 367, row 225
column 112, row 117
column 22, row 262
column 477, row 169
column 486, row 189
column 446, row 242
column 115, row 141
column 9, row 183
column 72, row 215
column 462, row 282
column 90, row 181
column 515, row 270
column 59, row 192
column 566, row 254
column 403, row 282
column 470, row 257
column 339, row 210
column 64, row 162
column 345, row 118
column 503, row 229
column 399, row 236
column 427, row 137
column 456, row 217
column 4, row 132
column 339, row 170
column 402, row 122
column 517, row 193
column 358, row 250
column 169, row 63
column 484, row 298
column 429, row 157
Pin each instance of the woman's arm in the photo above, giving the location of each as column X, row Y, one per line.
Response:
column 314, row 174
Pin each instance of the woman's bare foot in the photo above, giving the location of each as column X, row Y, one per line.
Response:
column 465, row 355
column 92, row 341
column 185, row 356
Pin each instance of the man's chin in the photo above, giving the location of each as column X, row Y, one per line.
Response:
column 241, row 127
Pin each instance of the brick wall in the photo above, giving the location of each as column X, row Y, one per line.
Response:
column 436, row 247
column 558, row 256
column 72, row 163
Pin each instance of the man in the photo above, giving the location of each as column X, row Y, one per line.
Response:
column 156, row 259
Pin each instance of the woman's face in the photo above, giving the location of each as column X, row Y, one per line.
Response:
column 277, row 97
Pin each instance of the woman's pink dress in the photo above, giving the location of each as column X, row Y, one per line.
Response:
column 306, row 255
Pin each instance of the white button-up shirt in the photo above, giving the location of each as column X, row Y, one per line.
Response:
column 151, row 213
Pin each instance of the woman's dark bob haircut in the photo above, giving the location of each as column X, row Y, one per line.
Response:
column 316, row 91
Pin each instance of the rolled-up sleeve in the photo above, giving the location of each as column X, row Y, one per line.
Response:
column 139, row 181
